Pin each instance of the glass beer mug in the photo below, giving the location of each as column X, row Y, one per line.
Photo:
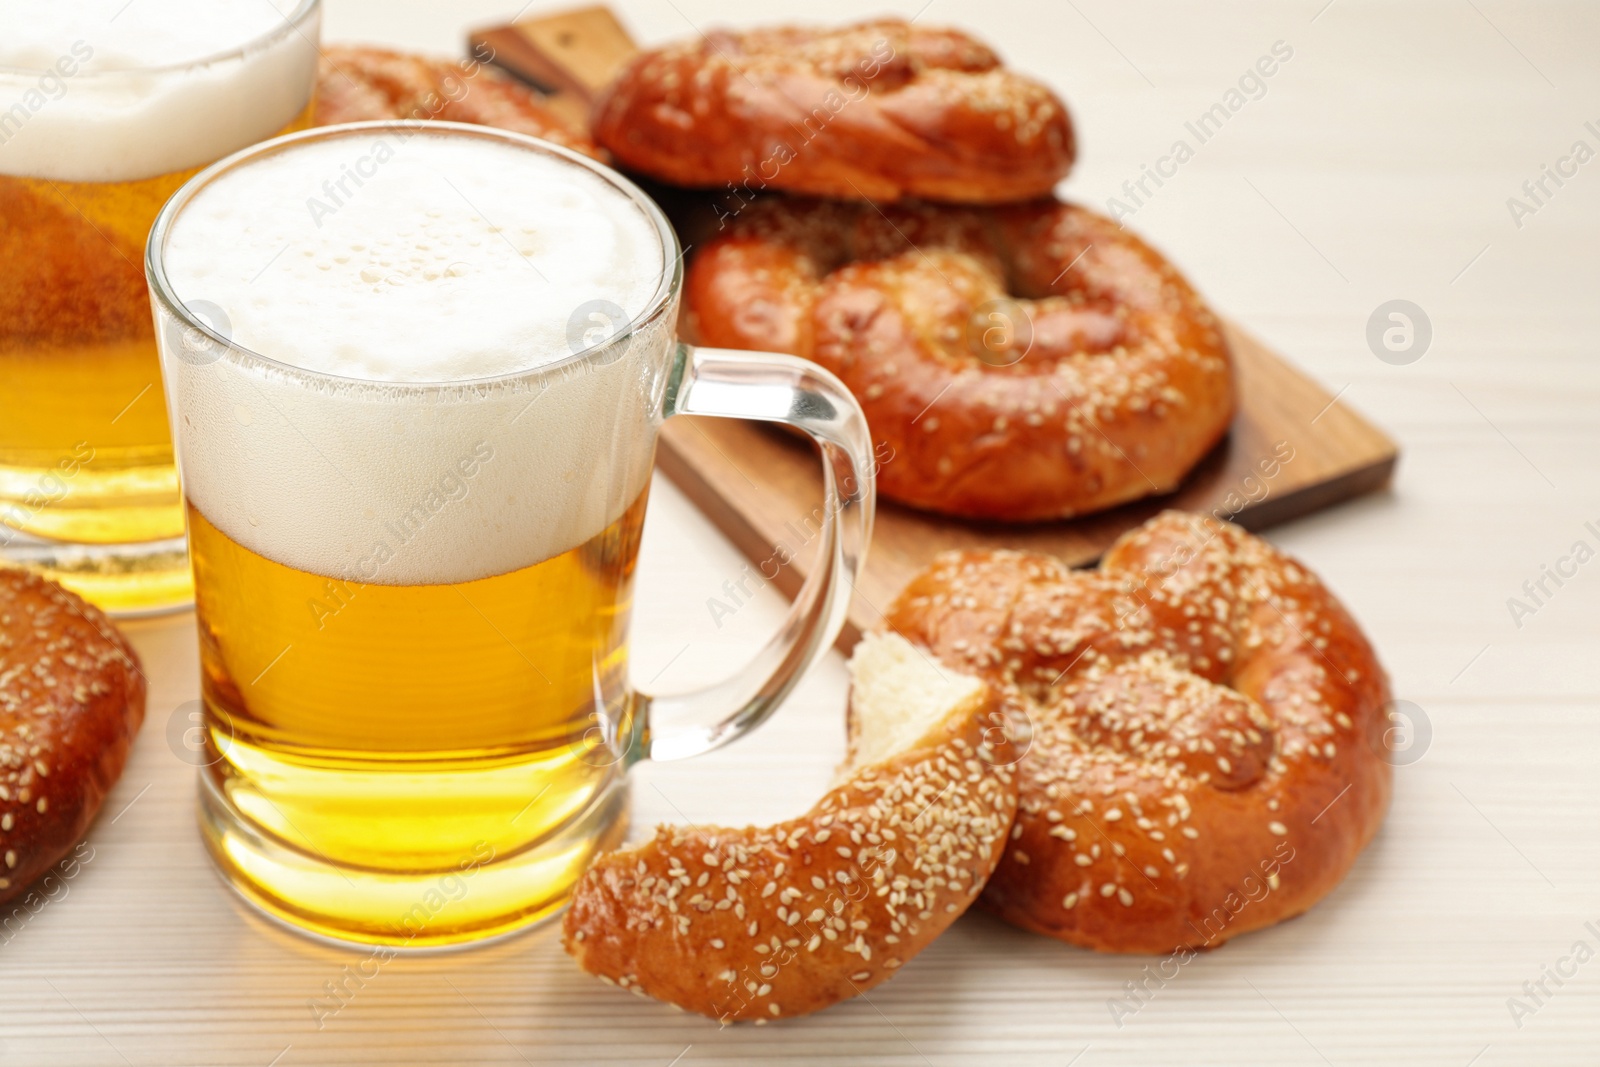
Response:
column 415, row 472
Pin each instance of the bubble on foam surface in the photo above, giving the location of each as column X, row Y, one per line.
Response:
column 386, row 480
column 399, row 256
column 92, row 95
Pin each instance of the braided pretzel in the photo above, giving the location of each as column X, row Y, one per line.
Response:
column 877, row 110
column 1204, row 714
column 1025, row 362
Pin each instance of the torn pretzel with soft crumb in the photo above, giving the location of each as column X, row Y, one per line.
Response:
column 776, row 921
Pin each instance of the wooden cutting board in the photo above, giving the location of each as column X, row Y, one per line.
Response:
column 1293, row 448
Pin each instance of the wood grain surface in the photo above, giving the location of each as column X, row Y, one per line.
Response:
column 569, row 55
column 1377, row 165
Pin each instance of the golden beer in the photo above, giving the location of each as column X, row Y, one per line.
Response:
column 413, row 544
column 398, row 732
column 88, row 490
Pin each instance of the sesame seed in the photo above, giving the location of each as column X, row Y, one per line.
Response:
column 1131, row 707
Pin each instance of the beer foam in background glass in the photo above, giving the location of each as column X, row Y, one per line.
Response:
column 391, row 291
column 107, row 90
column 106, row 108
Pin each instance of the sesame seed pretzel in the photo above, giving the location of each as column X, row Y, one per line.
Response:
column 71, row 701
column 1205, row 719
column 1026, row 362
column 877, row 110
column 766, row 922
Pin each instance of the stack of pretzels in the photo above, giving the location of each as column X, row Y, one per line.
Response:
column 1155, row 756
column 1020, row 358
column 1174, row 749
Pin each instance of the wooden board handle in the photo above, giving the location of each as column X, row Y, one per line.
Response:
column 570, row 54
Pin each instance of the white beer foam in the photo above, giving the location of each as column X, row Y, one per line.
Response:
column 105, row 90
column 396, row 255
column 457, row 258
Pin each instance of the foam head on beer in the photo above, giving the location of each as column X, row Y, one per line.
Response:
column 390, row 259
column 400, row 256
column 105, row 90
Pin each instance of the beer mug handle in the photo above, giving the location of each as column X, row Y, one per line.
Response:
column 798, row 393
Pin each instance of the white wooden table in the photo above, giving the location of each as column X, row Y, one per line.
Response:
column 1376, row 166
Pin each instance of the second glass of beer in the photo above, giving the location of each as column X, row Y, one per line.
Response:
column 416, row 374
column 106, row 108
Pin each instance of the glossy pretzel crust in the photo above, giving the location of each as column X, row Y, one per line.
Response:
column 758, row 923
column 1026, row 362
column 1207, row 753
column 878, row 110
column 71, row 701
